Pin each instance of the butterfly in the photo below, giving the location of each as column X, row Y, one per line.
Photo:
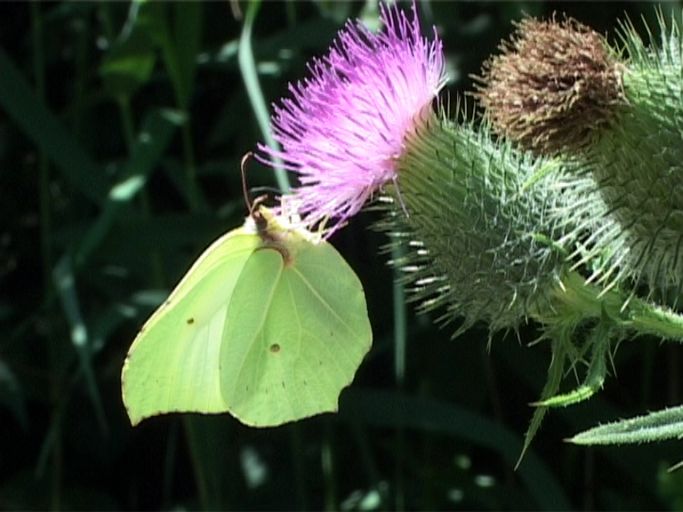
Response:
column 269, row 324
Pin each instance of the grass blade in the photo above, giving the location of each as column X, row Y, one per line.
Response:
column 47, row 133
column 251, row 82
column 154, row 138
column 389, row 410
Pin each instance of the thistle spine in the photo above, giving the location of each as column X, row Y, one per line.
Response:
column 479, row 240
column 621, row 113
column 638, row 166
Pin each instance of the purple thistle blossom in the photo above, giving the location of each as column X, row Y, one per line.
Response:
column 344, row 127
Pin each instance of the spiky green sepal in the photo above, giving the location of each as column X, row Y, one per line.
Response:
column 474, row 217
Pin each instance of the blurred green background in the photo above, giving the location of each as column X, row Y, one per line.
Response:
column 121, row 131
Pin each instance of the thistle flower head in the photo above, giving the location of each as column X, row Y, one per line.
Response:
column 637, row 169
column 479, row 240
column 553, row 85
column 343, row 127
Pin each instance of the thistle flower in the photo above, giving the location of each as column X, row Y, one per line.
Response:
column 344, row 126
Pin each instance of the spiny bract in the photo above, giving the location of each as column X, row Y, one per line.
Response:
column 636, row 167
column 475, row 220
column 621, row 113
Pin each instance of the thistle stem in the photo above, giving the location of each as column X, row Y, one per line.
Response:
column 576, row 300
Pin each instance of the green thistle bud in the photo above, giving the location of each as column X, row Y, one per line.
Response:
column 625, row 119
column 638, row 165
column 477, row 226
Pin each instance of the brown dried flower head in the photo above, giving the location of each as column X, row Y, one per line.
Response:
column 553, row 85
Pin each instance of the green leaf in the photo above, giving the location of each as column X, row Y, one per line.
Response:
column 41, row 126
column 128, row 64
column 65, row 284
column 247, row 65
column 187, row 33
column 655, row 426
column 560, row 340
column 267, row 325
column 176, row 30
column 600, row 340
column 390, row 410
column 157, row 131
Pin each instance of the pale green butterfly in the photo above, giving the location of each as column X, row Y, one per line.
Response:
column 269, row 324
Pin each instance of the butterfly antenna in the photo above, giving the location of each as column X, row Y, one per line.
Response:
column 243, row 165
column 254, row 213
